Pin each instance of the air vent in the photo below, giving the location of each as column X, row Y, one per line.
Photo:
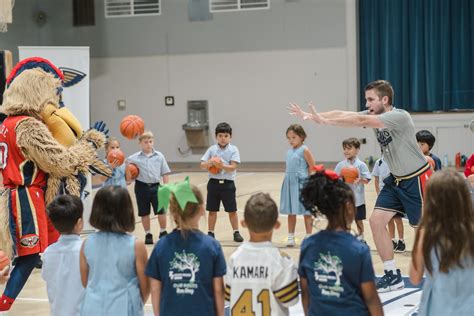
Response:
column 126, row 8
column 237, row 5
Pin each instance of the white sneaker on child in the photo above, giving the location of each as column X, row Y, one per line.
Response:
column 291, row 241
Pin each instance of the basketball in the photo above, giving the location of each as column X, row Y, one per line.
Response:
column 431, row 162
column 133, row 170
column 132, row 126
column 349, row 174
column 116, row 154
column 214, row 169
column 4, row 261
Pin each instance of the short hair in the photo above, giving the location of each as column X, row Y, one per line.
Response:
column 223, row 128
column 112, row 210
column 425, row 136
column 261, row 213
column 64, row 212
column 110, row 140
column 145, row 135
column 297, row 129
column 382, row 88
column 351, row 142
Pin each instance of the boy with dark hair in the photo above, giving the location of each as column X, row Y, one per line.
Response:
column 351, row 148
column 258, row 273
column 223, row 157
column 426, row 141
column 61, row 260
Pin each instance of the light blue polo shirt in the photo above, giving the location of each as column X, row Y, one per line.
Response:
column 363, row 173
column 227, row 154
column 151, row 168
column 381, row 170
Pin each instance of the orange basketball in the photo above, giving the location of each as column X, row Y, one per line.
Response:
column 349, row 174
column 431, row 162
column 214, row 169
column 132, row 126
column 133, row 170
column 4, row 260
column 116, row 154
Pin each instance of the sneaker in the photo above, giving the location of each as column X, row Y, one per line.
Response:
column 238, row 237
column 211, row 234
column 291, row 241
column 390, row 282
column 163, row 234
column 39, row 264
column 400, row 246
column 149, row 239
column 394, row 243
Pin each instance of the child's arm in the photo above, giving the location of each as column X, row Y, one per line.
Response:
column 364, row 174
column 417, row 264
column 308, row 156
column 371, row 298
column 218, row 285
column 155, row 295
column 304, row 295
column 376, row 182
column 140, row 263
column 84, row 267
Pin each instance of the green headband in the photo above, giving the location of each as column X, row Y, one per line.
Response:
column 182, row 191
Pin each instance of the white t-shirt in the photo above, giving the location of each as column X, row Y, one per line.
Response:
column 260, row 278
column 381, row 171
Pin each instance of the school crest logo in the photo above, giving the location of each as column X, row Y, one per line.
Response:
column 29, row 241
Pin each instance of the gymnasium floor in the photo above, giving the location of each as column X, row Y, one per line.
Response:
column 33, row 299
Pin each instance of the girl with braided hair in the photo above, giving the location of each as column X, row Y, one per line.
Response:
column 336, row 273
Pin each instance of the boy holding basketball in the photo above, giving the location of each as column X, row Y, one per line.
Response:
column 153, row 168
column 61, row 260
column 221, row 186
column 351, row 148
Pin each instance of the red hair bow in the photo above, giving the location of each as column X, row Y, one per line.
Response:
column 328, row 173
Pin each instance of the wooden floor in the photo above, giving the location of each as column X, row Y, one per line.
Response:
column 33, row 298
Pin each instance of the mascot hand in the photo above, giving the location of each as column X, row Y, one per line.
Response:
column 101, row 127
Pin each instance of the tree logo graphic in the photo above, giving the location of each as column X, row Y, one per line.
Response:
column 183, row 261
column 328, row 265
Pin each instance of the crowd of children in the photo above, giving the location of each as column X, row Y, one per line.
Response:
column 109, row 273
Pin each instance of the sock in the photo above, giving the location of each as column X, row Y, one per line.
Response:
column 211, row 231
column 147, row 231
column 291, row 235
column 394, row 239
column 390, row 265
column 361, row 236
column 162, row 230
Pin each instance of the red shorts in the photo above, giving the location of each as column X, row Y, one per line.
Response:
column 31, row 226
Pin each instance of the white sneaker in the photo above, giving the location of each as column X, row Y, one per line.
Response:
column 291, row 241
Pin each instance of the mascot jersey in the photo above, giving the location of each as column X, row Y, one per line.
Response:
column 31, row 228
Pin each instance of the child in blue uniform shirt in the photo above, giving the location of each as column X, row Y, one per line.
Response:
column 336, row 273
column 351, row 147
column 187, row 267
column 221, row 186
column 118, row 171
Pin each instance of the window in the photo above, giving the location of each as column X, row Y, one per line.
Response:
column 125, row 8
column 237, row 5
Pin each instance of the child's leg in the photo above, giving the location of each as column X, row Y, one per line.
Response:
column 291, row 224
column 211, row 220
column 146, row 222
column 234, row 220
column 308, row 223
column 391, row 228
column 360, row 227
column 400, row 230
column 162, row 221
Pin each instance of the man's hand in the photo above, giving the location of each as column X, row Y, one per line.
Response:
column 297, row 111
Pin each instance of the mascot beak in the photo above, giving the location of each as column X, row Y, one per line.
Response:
column 62, row 124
